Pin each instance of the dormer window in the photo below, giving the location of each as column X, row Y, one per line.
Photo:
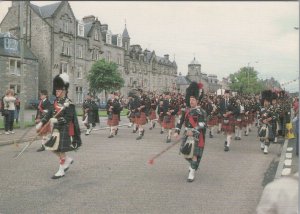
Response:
column 119, row 40
column 108, row 37
column 81, row 30
column 10, row 44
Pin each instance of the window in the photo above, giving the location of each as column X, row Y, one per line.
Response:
column 63, row 67
column 65, row 26
column 96, row 35
column 119, row 41
column 108, row 37
column 119, row 59
column 79, row 94
column 79, row 51
column 108, row 56
column 10, row 44
column 80, row 30
column 66, row 48
column 16, row 88
column 79, row 72
column 15, row 66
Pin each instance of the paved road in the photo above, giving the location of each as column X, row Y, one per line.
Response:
column 113, row 176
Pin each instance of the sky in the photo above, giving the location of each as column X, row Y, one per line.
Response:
column 223, row 36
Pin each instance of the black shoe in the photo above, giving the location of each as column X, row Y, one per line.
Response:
column 153, row 125
column 236, row 138
column 116, row 132
column 139, row 137
column 110, row 136
column 150, row 128
column 168, row 140
column 225, row 144
column 239, row 138
column 142, row 133
column 41, row 149
column 161, row 132
column 226, row 149
column 57, row 177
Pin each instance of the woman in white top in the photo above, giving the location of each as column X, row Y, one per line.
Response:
column 9, row 104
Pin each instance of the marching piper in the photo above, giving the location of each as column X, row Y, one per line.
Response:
column 194, row 120
column 64, row 124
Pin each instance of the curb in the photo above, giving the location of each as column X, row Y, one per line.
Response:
column 281, row 161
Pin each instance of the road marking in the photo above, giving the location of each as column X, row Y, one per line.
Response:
column 289, row 149
column 288, row 162
column 286, row 171
column 288, row 155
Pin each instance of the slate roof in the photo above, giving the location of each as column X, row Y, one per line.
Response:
column 47, row 10
column 163, row 60
column 87, row 28
column 14, row 53
column 125, row 33
column 182, row 80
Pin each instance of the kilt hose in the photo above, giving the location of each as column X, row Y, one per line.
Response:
column 168, row 123
column 114, row 121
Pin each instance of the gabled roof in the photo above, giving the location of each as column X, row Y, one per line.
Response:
column 47, row 10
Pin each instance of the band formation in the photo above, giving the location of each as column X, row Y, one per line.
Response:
column 185, row 117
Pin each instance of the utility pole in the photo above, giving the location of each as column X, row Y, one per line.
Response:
column 22, row 88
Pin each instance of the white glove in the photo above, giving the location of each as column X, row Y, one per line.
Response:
column 66, row 104
column 45, row 111
column 53, row 120
column 201, row 125
column 39, row 126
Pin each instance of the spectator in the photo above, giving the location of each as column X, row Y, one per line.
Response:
column 280, row 196
column 9, row 104
column 17, row 104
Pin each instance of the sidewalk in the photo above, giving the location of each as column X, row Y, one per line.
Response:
column 29, row 133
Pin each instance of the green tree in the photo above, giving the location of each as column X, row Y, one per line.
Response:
column 104, row 76
column 245, row 81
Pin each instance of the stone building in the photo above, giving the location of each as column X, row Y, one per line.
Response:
column 210, row 82
column 64, row 44
column 10, row 68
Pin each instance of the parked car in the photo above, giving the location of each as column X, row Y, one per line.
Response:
column 102, row 105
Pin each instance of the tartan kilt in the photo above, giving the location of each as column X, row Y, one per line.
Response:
column 229, row 127
column 114, row 121
column 170, row 124
column 152, row 115
column 238, row 122
column 142, row 120
column 251, row 117
column 213, row 121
